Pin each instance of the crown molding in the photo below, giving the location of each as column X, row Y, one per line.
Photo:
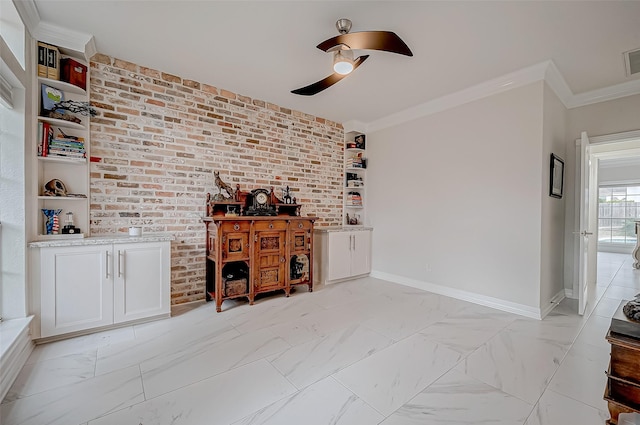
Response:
column 501, row 84
column 557, row 83
column 66, row 38
column 29, row 14
column 545, row 71
column 617, row 91
column 355, row 126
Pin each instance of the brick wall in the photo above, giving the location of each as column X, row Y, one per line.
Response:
column 158, row 138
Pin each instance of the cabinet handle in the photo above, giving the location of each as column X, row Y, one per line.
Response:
column 282, row 259
column 354, row 242
column 106, row 260
column 120, row 256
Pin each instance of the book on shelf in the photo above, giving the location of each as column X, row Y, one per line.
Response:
column 45, row 134
column 43, row 53
column 53, row 62
column 65, row 154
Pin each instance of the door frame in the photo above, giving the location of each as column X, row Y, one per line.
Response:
column 610, row 146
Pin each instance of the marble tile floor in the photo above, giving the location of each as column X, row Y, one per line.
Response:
column 361, row 352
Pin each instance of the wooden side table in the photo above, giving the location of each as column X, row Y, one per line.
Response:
column 622, row 391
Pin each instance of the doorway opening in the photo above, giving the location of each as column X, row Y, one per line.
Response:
column 604, row 151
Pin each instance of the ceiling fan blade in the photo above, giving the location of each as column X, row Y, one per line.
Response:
column 372, row 40
column 317, row 87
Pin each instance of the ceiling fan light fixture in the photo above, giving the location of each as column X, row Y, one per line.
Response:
column 343, row 61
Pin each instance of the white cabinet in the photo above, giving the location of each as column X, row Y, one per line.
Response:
column 343, row 254
column 76, row 289
column 94, row 285
column 141, row 286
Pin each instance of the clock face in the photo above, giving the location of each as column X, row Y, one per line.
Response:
column 261, row 198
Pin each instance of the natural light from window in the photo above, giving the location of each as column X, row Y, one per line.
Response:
column 618, row 209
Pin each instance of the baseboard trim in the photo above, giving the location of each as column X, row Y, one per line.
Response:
column 15, row 353
column 498, row 304
column 555, row 300
column 568, row 293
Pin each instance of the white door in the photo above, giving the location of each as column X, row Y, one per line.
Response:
column 584, row 232
column 76, row 288
column 339, row 253
column 141, row 280
column 361, row 253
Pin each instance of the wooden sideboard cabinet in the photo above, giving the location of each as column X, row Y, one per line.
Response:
column 252, row 255
column 623, row 377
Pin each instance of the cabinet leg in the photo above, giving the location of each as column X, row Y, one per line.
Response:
column 310, row 286
column 250, row 300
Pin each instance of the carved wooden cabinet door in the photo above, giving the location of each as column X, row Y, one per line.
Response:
column 270, row 256
column 235, row 241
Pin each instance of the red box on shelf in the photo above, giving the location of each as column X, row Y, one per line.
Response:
column 73, row 72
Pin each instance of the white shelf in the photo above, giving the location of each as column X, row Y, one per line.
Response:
column 62, row 198
column 62, row 85
column 355, row 169
column 66, row 160
column 62, row 123
column 354, row 150
column 357, row 207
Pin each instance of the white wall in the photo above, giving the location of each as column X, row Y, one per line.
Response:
column 615, row 116
column 553, row 209
column 454, row 197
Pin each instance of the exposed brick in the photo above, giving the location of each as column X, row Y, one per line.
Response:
column 100, row 58
column 160, row 143
column 171, row 78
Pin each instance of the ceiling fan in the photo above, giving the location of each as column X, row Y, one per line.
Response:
column 343, row 61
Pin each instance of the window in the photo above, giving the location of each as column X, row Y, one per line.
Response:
column 618, row 209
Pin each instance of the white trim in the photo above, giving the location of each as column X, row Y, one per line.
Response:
column 555, row 300
column 556, row 81
column 65, row 38
column 568, row 293
column 16, row 349
column 508, row 306
column 613, row 138
column 604, row 94
column 488, row 88
column 28, row 13
column 544, row 71
column 355, row 126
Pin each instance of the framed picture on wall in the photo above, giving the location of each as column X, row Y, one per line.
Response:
column 556, row 185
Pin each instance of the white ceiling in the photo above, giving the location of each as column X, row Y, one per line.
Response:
column 265, row 49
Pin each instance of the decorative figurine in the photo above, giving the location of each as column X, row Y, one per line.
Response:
column 632, row 309
column 69, row 228
column 222, row 186
column 55, row 187
column 286, row 196
column 51, row 224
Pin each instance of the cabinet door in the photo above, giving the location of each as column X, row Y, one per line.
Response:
column 361, row 253
column 270, row 260
column 339, row 255
column 76, row 288
column 141, row 285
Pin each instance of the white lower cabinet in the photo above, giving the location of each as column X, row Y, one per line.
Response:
column 90, row 286
column 344, row 254
column 141, row 281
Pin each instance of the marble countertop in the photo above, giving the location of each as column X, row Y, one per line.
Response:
column 342, row 228
column 103, row 239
